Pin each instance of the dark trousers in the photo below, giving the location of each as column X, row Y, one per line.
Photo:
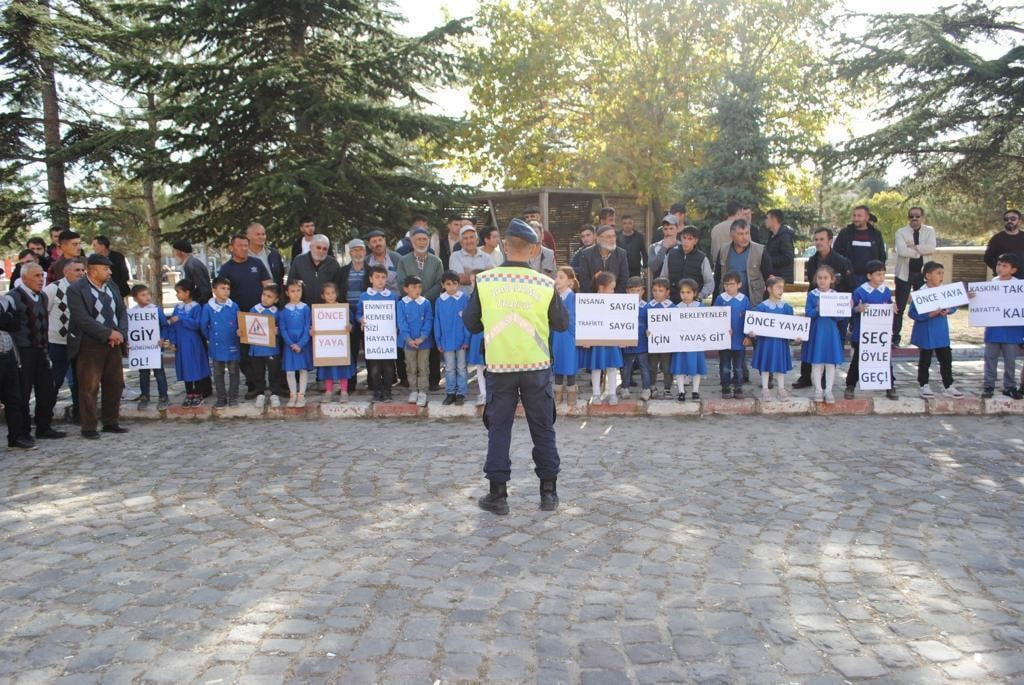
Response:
column 355, row 342
column 924, row 360
column 397, row 369
column 504, row 392
column 659, row 362
column 380, row 374
column 853, row 372
column 61, row 368
column 99, row 366
column 161, row 383
column 229, row 393
column 903, row 290
column 245, row 366
column 267, row 371
column 10, row 395
column 730, row 367
column 637, row 360
column 434, row 366
column 35, row 375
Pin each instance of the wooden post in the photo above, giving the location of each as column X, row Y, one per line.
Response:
column 648, row 239
column 494, row 215
column 544, row 215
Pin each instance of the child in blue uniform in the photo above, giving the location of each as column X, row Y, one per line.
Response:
column 452, row 337
column 636, row 356
column 266, row 361
column 730, row 361
column 661, row 362
column 415, row 332
column 873, row 291
column 294, row 322
column 931, row 334
column 564, row 355
column 330, row 374
column 824, row 347
column 380, row 371
column 688, row 366
column 607, row 358
column 219, row 325
column 143, row 302
column 1002, row 341
column 191, row 362
column 772, row 355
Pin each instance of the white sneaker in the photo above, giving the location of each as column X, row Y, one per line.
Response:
column 413, row 397
column 645, row 394
column 819, row 395
column 783, row 394
column 595, row 399
column 343, row 397
column 766, row 395
column 953, row 391
column 261, row 400
column 130, row 394
column 275, row 402
column 421, row 399
column 926, row 392
column 830, row 398
column 481, row 400
column 623, row 392
column 614, row 399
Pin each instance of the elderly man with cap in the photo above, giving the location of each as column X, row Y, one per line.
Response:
column 544, row 260
column 29, row 305
column 516, row 308
column 470, row 260
column 380, row 255
column 429, row 268
column 531, row 214
column 193, row 270
column 666, row 240
column 352, row 281
column 315, row 269
column 96, row 343
column 604, row 256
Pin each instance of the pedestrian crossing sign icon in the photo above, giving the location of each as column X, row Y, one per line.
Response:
column 257, row 329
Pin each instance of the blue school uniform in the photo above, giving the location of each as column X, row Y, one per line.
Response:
column 415, row 320
column 930, row 332
column 374, row 295
column 293, row 323
column 475, row 354
column 772, row 354
column 689, row 363
column 191, row 362
column 1004, row 334
column 565, row 359
column 219, row 324
column 868, row 295
column 739, row 306
column 824, row 344
column 449, row 331
column 264, row 350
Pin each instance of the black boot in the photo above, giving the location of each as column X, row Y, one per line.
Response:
column 496, row 501
column 548, row 495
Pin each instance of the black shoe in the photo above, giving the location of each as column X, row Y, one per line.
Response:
column 681, row 397
column 988, row 392
column 252, row 394
column 891, row 394
column 449, row 399
column 726, row 392
column 114, row 429
column 1013, row 393
column 434, row 387
column 694, row 395
column 802, row 383
column 848, row 394
column 496, row 501
column 548, row 495
column 377, row 396
column 22, row 444
column 737, row 393
column 90, row 435
column 460, row 400
column 220, row 404
column 50, row 434
column 386, row 397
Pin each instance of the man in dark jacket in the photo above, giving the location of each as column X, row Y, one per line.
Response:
column 860, row 242
column 119, row 273
column 633, row 243
column 10, row 385
column 315, row 269
column 779, row 245
column 193, row 270
column 604, row 256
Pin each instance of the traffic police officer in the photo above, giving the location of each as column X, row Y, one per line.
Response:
column 515, row 307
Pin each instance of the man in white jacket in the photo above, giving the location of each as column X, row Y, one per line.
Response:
column 915, row 244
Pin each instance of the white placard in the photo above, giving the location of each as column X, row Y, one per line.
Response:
column 331, row 349
column 944, row 297
column 996, row 303
column 875, row 349
column 144, row 339
column 835, row 305
column 379, row 332
column 330, row 318
column 688, row 329
column 783, row 326
column 607, row 319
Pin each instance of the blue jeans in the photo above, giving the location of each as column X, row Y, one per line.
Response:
column 455, row 382
column 161, row 383
column 60, row 368
column 631, row 359
column 504, row 391
column 730, row 367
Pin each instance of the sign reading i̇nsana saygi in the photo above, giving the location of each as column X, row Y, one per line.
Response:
column 688, row 329
column 996, row 303
column 257, row 329
column 330, row 335
column 379, row 331
column 144, row 338
column 946, row 296
column 875, row 349
column 607, row 319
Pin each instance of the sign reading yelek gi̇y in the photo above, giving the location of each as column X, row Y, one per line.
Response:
column 144, row 338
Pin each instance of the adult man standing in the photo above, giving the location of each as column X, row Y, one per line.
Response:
column 380, row 255
column 10, row 380
column 633, row 243
column 258, row 249
column 247, row 276
column 315, row 269
column 444, row 245
column 915, row 242
column 70, row 246
column 824, row 256
column 587, row 239
column 721, row 233
column 193, row 270
column 860, row 242
column 531, row 214
column 660, row 248
column 780, row 245
column 604, row 256
column 58, row 326
column 748, row 259
column 352, row 281
column 428, row 267
column 30, row 338
column 120, row 274
column 302, row 244
column 1010, row 239
column 544, row 261
column 516, row 308
column 96, row 339
column 470, row 260
column 490, row 244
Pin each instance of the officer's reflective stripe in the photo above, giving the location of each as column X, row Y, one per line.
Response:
column 522, row 324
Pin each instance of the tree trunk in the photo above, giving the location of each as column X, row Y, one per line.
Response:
column 155, row 237
column 303, row 126
column 56, row 190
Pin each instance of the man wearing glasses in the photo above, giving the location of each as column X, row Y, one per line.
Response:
column 915, row 243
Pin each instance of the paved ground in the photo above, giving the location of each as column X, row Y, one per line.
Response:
column 341, row 551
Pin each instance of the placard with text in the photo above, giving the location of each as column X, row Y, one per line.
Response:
column 607, row 319
column 688, row 329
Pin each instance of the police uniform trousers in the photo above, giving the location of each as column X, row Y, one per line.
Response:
column 504, row 392
column 36, row 375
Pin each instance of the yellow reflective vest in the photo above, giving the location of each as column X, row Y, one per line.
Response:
column 514, row 303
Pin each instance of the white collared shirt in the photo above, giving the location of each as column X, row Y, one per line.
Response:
column 292, row 307
column 217, row 306
column 739, row 297
column 457, row 296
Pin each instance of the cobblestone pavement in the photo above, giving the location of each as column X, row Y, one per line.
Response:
column 341, row 551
